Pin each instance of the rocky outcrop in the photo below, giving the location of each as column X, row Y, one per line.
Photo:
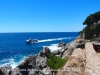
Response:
column 74, row 65
column 61, row 44
column 35, row 65
column 56, row 52
column 6, row 70
column 69, row 48
column 82, row 62
column 28, row 63
column 44, row 52
column 31, row 65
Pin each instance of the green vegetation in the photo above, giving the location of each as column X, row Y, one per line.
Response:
column 92, row 19
column 55, row 62
column 92, row 30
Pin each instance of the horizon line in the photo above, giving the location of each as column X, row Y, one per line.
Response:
column 38, row 32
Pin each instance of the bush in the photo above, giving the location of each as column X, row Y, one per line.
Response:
column 91, row 32
column 55, row 62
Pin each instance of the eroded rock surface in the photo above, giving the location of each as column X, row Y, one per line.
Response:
column 75, row 65
column 92, row 66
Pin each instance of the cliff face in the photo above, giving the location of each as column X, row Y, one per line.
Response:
column 77, row 43
column 74, row 66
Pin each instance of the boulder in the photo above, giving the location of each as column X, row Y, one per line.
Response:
column 41, row 62
column 29, row 62
column 56, row 52
column 47, row 49
column 44, row 52
column 61, row 44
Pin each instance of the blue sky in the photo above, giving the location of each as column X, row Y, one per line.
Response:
column 45, row 15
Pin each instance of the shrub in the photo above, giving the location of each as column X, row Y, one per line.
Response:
column 91, row 32
column 55, row 62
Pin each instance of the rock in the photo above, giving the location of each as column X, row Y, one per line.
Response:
column 46, row 71
column 1, row 73
column 6, row 70
column 56, row 52
column 66, row 46
column 61, row 44
column 47, row 49
column 29, row 62
column 44, row 52
column 31, row 65
column 15, row 71
column 41, row 62
column 43, row 65
column 32, row 72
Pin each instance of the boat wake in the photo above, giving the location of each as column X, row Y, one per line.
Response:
column 55, row 39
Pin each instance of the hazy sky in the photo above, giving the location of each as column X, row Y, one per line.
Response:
column 45, row 15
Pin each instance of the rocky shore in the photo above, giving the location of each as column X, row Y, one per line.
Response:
column 36, row 65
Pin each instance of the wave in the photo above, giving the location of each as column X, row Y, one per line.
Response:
column 53, row 47
column 55, row 39
column 11, row 61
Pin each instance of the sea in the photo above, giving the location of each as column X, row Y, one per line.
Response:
column 13, row 48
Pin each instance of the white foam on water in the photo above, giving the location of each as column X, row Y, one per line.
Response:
column 53, row 47
column 8, row 62
column 12, row 62
column 48, row 40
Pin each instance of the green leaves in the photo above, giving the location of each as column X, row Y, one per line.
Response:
column 55, row 62
column 92, row 30
column 92, row 19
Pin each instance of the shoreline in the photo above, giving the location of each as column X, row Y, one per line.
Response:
column 38, row 61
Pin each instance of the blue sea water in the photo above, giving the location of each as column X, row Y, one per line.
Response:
column 13, row 48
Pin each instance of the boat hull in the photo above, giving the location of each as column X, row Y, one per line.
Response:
column 31, row 41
